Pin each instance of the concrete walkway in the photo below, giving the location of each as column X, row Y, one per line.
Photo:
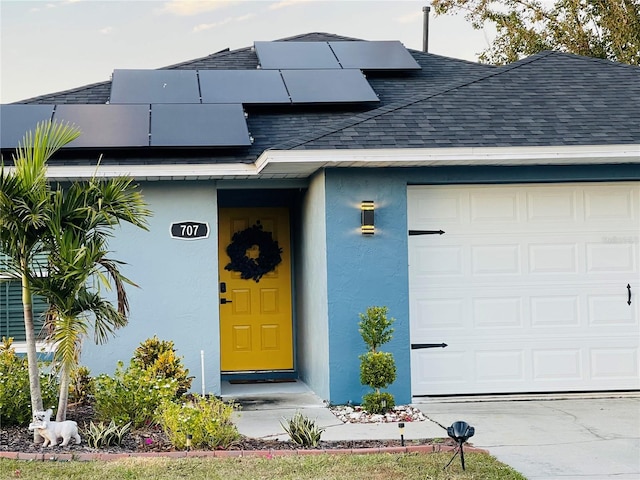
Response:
column 571, row 439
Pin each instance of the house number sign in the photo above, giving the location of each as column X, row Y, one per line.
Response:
column 189, row 230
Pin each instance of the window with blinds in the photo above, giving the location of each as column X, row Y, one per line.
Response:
column 12, row 314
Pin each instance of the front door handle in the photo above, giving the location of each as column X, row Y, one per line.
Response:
column 224, row 301
column 628, row 294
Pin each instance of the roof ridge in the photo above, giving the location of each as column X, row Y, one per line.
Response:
column 378, row 112
column 585, row 58
column 459, row 60
column 310, row 34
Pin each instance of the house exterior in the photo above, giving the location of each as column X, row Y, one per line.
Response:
column 506, row 214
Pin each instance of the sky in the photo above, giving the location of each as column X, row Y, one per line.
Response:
column 56, row 45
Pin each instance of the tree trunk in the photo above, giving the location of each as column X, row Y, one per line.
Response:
column 32, row 357
column 63, row 399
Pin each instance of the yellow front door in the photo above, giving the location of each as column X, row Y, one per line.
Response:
column 256, row 330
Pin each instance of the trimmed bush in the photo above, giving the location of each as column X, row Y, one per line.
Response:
column 377, row 369
column 378, row 402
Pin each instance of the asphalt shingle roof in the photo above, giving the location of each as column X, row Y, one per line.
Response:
column 549, row 99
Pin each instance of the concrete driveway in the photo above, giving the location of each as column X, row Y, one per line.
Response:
column 554, row 439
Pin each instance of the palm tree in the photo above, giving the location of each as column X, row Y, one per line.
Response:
column 84, row 217
column 71, row 227
column 24, row 215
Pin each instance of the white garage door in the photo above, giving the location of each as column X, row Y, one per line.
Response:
column 527, row 287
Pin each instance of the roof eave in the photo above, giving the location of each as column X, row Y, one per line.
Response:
column 301, row 164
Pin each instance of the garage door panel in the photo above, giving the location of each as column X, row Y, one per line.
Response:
column 504, row 365
column 614, row 363
column 496, row 259
column 610, row 205
column 498, row 313
column 551, row 205
column 494, row 206
column 438, row 260
column 534, row 298
column 611, row 257
column 553, row 258
column 443, row 367
column 552, row 311
column 430, row 314
column 552, row 364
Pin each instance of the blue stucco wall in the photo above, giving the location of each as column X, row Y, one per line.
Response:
column 177, row 299
column 365, row 271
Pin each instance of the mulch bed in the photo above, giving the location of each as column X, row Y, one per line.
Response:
column 153, row 439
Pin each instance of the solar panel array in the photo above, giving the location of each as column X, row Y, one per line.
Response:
column 365, row 55
column 295, row 55
column 15, row 120
column 154, row 86
column 243, row 86
column 381, row 55
column 197, row 125
column 204, row 108
column 107, row 125
column 130, row 126
column 328, row 86
column 248, row 87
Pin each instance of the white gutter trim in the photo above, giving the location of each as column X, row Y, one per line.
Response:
column 159, row 172
column 626, row 153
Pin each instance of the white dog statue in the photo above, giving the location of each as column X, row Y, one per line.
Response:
column 51, row 431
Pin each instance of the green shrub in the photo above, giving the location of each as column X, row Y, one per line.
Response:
column 81, row 387
column 99, row 435
column 131, row 395
column 303, row 431
column 15, row 396
column 375, row 402
column 378, row 370
column 206, row 419
column 159, row 357
column 375, row 327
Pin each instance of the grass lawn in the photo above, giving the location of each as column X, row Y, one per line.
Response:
column 325, row 467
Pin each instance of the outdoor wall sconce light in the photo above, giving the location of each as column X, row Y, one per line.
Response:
column 366, row 217
column 460, row 432
column 401, row 428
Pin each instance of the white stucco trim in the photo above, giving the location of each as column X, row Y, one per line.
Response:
column 296, row 164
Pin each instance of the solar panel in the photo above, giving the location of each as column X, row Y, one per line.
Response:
column 154, row 86
column 295, row 55
column 107, row 125
column 16, row 120
column 242, row 86
column 328, row 86
column 198, row 125
column 378, row 55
